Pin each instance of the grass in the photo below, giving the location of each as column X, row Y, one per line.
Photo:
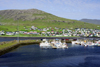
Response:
column 44, row 24
column 7, row 44
column 48, row 20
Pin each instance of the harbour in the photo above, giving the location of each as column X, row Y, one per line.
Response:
column 31, row 55
column 49, row 33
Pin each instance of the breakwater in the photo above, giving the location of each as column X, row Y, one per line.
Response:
column 7, row 44
column 5, row 47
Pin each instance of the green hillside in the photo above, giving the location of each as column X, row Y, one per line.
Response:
column 10, row 20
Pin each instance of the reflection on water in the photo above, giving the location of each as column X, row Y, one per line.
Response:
column 32, row 55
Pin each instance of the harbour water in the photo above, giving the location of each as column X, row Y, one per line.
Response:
column 33, row 56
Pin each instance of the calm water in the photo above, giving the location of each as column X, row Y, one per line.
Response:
column 33, row 56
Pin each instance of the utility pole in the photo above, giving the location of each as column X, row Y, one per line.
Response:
column 18, row 30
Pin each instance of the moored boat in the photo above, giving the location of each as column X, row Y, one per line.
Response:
column 45, row 44
column 64, row 45
column 89, row 44
column 76, row 42
column 97, row 43
column 58, row 44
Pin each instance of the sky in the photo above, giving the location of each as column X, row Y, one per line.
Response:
column 70, row 9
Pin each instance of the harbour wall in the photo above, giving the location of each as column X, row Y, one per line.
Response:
column 14, row 46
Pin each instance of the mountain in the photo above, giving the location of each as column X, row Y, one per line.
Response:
column 11, row 20
column 93, row 21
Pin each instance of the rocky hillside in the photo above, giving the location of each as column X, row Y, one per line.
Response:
column 94, row 21
column 22, row 14
column 38, row 18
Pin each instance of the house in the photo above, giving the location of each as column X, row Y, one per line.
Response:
column 47, row 28
column 44, row 29
column 21, row 32
column 9, row 33
column 2, row 33
column 33, row 28
column 35, row 32
column 43, row 32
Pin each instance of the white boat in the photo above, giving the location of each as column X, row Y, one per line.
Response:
column 76, row 42
column 54, row 44
column 45, row 44
column 89, row 44
column 82, row 42
column 97, row 43
column 58, row 44
column 64, row 45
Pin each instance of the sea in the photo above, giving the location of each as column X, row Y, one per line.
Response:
column 33, row 56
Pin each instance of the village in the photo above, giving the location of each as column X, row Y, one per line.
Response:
column 58, row 32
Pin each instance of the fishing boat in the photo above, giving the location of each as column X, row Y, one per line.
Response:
column 64, row 45
column 76, row 42
column 97, row 43
column 89, row 44
column 45, row 44
column 82, row 43
column 58, row 44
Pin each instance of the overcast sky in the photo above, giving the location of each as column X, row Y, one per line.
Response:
column 71, row 9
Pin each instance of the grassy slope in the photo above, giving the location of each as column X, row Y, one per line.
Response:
column 49, row 21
